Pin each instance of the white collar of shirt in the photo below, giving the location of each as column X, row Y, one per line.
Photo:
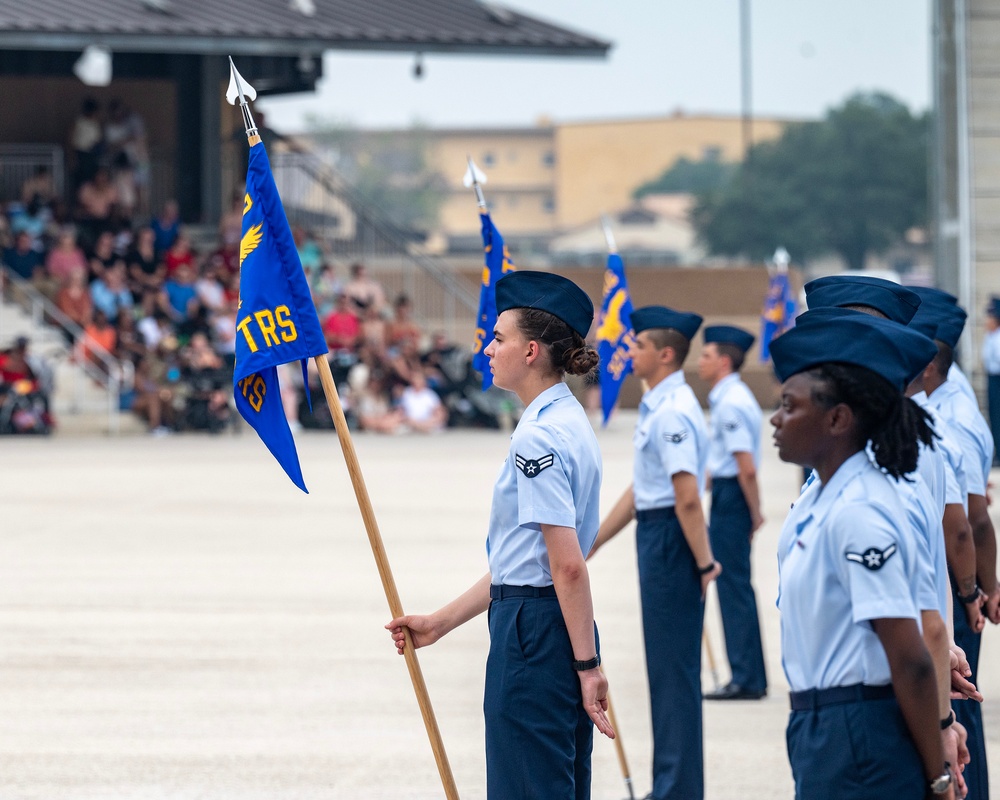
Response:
column 942, row 393
column 656, row 395
column 546, row 398
column 722, row 387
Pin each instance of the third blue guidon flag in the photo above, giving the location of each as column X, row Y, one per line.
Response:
column 276, row 322
column 497, row 264
column 778, row 314
column 615, row 338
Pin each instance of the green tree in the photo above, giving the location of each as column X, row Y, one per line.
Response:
column 685, row 175
column 852, row 183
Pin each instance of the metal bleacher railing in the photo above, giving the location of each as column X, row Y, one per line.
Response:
column 94, row 365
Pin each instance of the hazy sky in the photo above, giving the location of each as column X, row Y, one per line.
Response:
column 667, row 54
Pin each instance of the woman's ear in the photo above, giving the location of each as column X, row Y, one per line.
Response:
column 842, row 419
column 533, row 350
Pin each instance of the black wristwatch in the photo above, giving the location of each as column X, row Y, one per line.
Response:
column 940, row 785
column 705, row 570
column 948, row 721
column 583, row 666
column 967, row 599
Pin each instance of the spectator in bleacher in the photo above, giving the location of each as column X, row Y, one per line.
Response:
column 126, row 148
column 166, row 226
column 211, row 292
column 99, row 335
column 423, row 410
column 404, row 364
column 39, row 184
column 325, row 288
column 73, row 299
column 123, row 180
column 342, row 327
column 86, row 141
column 102, row 256
column 226, row 260
column 131, row 345
column 207, row 380
column 373, row 330
column 26, row 383
column 402, row 329
column 96, row 202
column 364, row 292
column 154, row 323
column 310, row 254
column 153, row 399
column 370, row 402
column 35, row 219
column 180, row 252
column 224, row 332
column 181, row 293
column 146, row 271
column 22, row 259
column 65, row 257
column 110, row 293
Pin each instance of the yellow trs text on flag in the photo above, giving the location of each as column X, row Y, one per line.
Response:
column 254, row 390
column 267, row 328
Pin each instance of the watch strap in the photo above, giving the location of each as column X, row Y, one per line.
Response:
column 582, row 666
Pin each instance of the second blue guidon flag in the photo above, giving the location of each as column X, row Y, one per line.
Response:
column 615, row 338
column 276, row 322
column 497, row 264
column 778, row 314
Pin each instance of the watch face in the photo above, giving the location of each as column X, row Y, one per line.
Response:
column 941, row 784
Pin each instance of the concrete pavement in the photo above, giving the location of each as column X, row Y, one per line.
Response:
column 178, row 621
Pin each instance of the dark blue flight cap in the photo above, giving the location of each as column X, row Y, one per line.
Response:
column 546, row 291
column 729, row 334
column 993, row 309
column 939, row 319
column 895, row 352
column 896, row 302
column 930, row 294
column 684, row 322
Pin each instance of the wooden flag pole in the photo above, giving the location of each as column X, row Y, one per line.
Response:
column 238, row 89
column 385, row 573
column 620, row 749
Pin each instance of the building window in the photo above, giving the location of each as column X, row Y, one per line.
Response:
column 549, row 159
column 712, row 153
column 548, row 205
column 489, row 159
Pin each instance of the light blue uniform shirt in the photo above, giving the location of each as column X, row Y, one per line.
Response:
column 957, row 378
column 991, row 353
column 970, row 432
column 670, row 437
column 956, row 489
column 552, row 476
column 734, row 426
column 843, row 559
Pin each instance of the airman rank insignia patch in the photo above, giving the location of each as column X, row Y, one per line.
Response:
column 675, row 438
column 532, row 466
column 872, row 558
column 731, row 425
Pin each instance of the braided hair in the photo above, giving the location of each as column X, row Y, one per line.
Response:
column 568, row 351
column 892, row 422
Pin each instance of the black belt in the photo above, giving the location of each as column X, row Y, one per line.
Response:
column 498, row 591
column 817, row 698
column 654, row 514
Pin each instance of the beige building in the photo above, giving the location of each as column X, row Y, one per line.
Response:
column 553, row 178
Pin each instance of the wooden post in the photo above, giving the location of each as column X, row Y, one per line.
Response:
column 620, row 749
column 385, row 573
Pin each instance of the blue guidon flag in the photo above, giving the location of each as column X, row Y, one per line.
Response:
column 276, row 322
column 778, row 314
column 615, row 337
column 497, row 264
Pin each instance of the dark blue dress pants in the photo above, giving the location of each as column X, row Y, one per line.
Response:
column 538, row 737
column 730, row 535
column 672, row 615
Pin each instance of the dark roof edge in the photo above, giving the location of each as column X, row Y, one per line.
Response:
column 220, row 45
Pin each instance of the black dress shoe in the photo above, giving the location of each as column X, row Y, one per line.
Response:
column 733, row 691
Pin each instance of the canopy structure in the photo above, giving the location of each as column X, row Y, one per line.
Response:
column 168, row 61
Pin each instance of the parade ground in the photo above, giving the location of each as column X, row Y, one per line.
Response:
column 178, row 621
